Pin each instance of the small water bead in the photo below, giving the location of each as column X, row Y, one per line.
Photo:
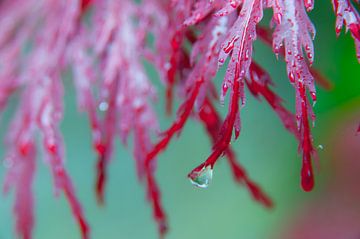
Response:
column 230, row 45
column 256, row 19
column 100, row 148
column 247, row 55
column 276, row 50
column 51, row 148
column 202, row 178
column 320, row 146
column 313, row 96
column 307, row 177
column 291, row 77
column 167, row 66
column 278, row 17
column 24, row 148
column 197, row 17
column 225, row 88
column 103, row 106
column 338, row 30
column 307, row 182
column 309, row 4
column 242, row 73
column 234, row 4
column 314, row 103
column 237, row 133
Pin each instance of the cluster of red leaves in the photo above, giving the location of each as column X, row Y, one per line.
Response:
column 106, row 60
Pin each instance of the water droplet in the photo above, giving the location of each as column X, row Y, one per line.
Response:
column 307, row 177
column 299, row 57
column 230, row 45
column 201, row 178
column 225, row 88
column 237, row 133
column 320, row 146
column 100, row 148
column 276, row 50
column 51, row 148
column 167, row 66
column 247, row 55
column 278, row 17
column 242, row 73
column 103, row 106
column 313, row 96
column 338, row 30
column 197, row 17
column 309, row 4
column 234, row 4
column 291, row 77
column 24, row 148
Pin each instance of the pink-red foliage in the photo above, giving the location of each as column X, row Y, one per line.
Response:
column 104, row 44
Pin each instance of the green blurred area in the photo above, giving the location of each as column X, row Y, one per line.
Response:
column 225, row 209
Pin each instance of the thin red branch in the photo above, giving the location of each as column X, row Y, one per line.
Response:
column 307, row 177
column 212, row 122
column 62, row 180
column 155, row 199
column 258, row 85
column 173, row 68
column 224, row 137
column 104, row 146
column 185, row 110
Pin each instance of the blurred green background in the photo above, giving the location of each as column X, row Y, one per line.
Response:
column 225, row 209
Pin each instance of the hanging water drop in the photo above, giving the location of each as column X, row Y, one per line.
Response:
column 202, row 177
column 307, row 177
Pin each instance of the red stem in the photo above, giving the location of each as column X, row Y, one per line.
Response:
column 177, row 126
column 212, row 121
